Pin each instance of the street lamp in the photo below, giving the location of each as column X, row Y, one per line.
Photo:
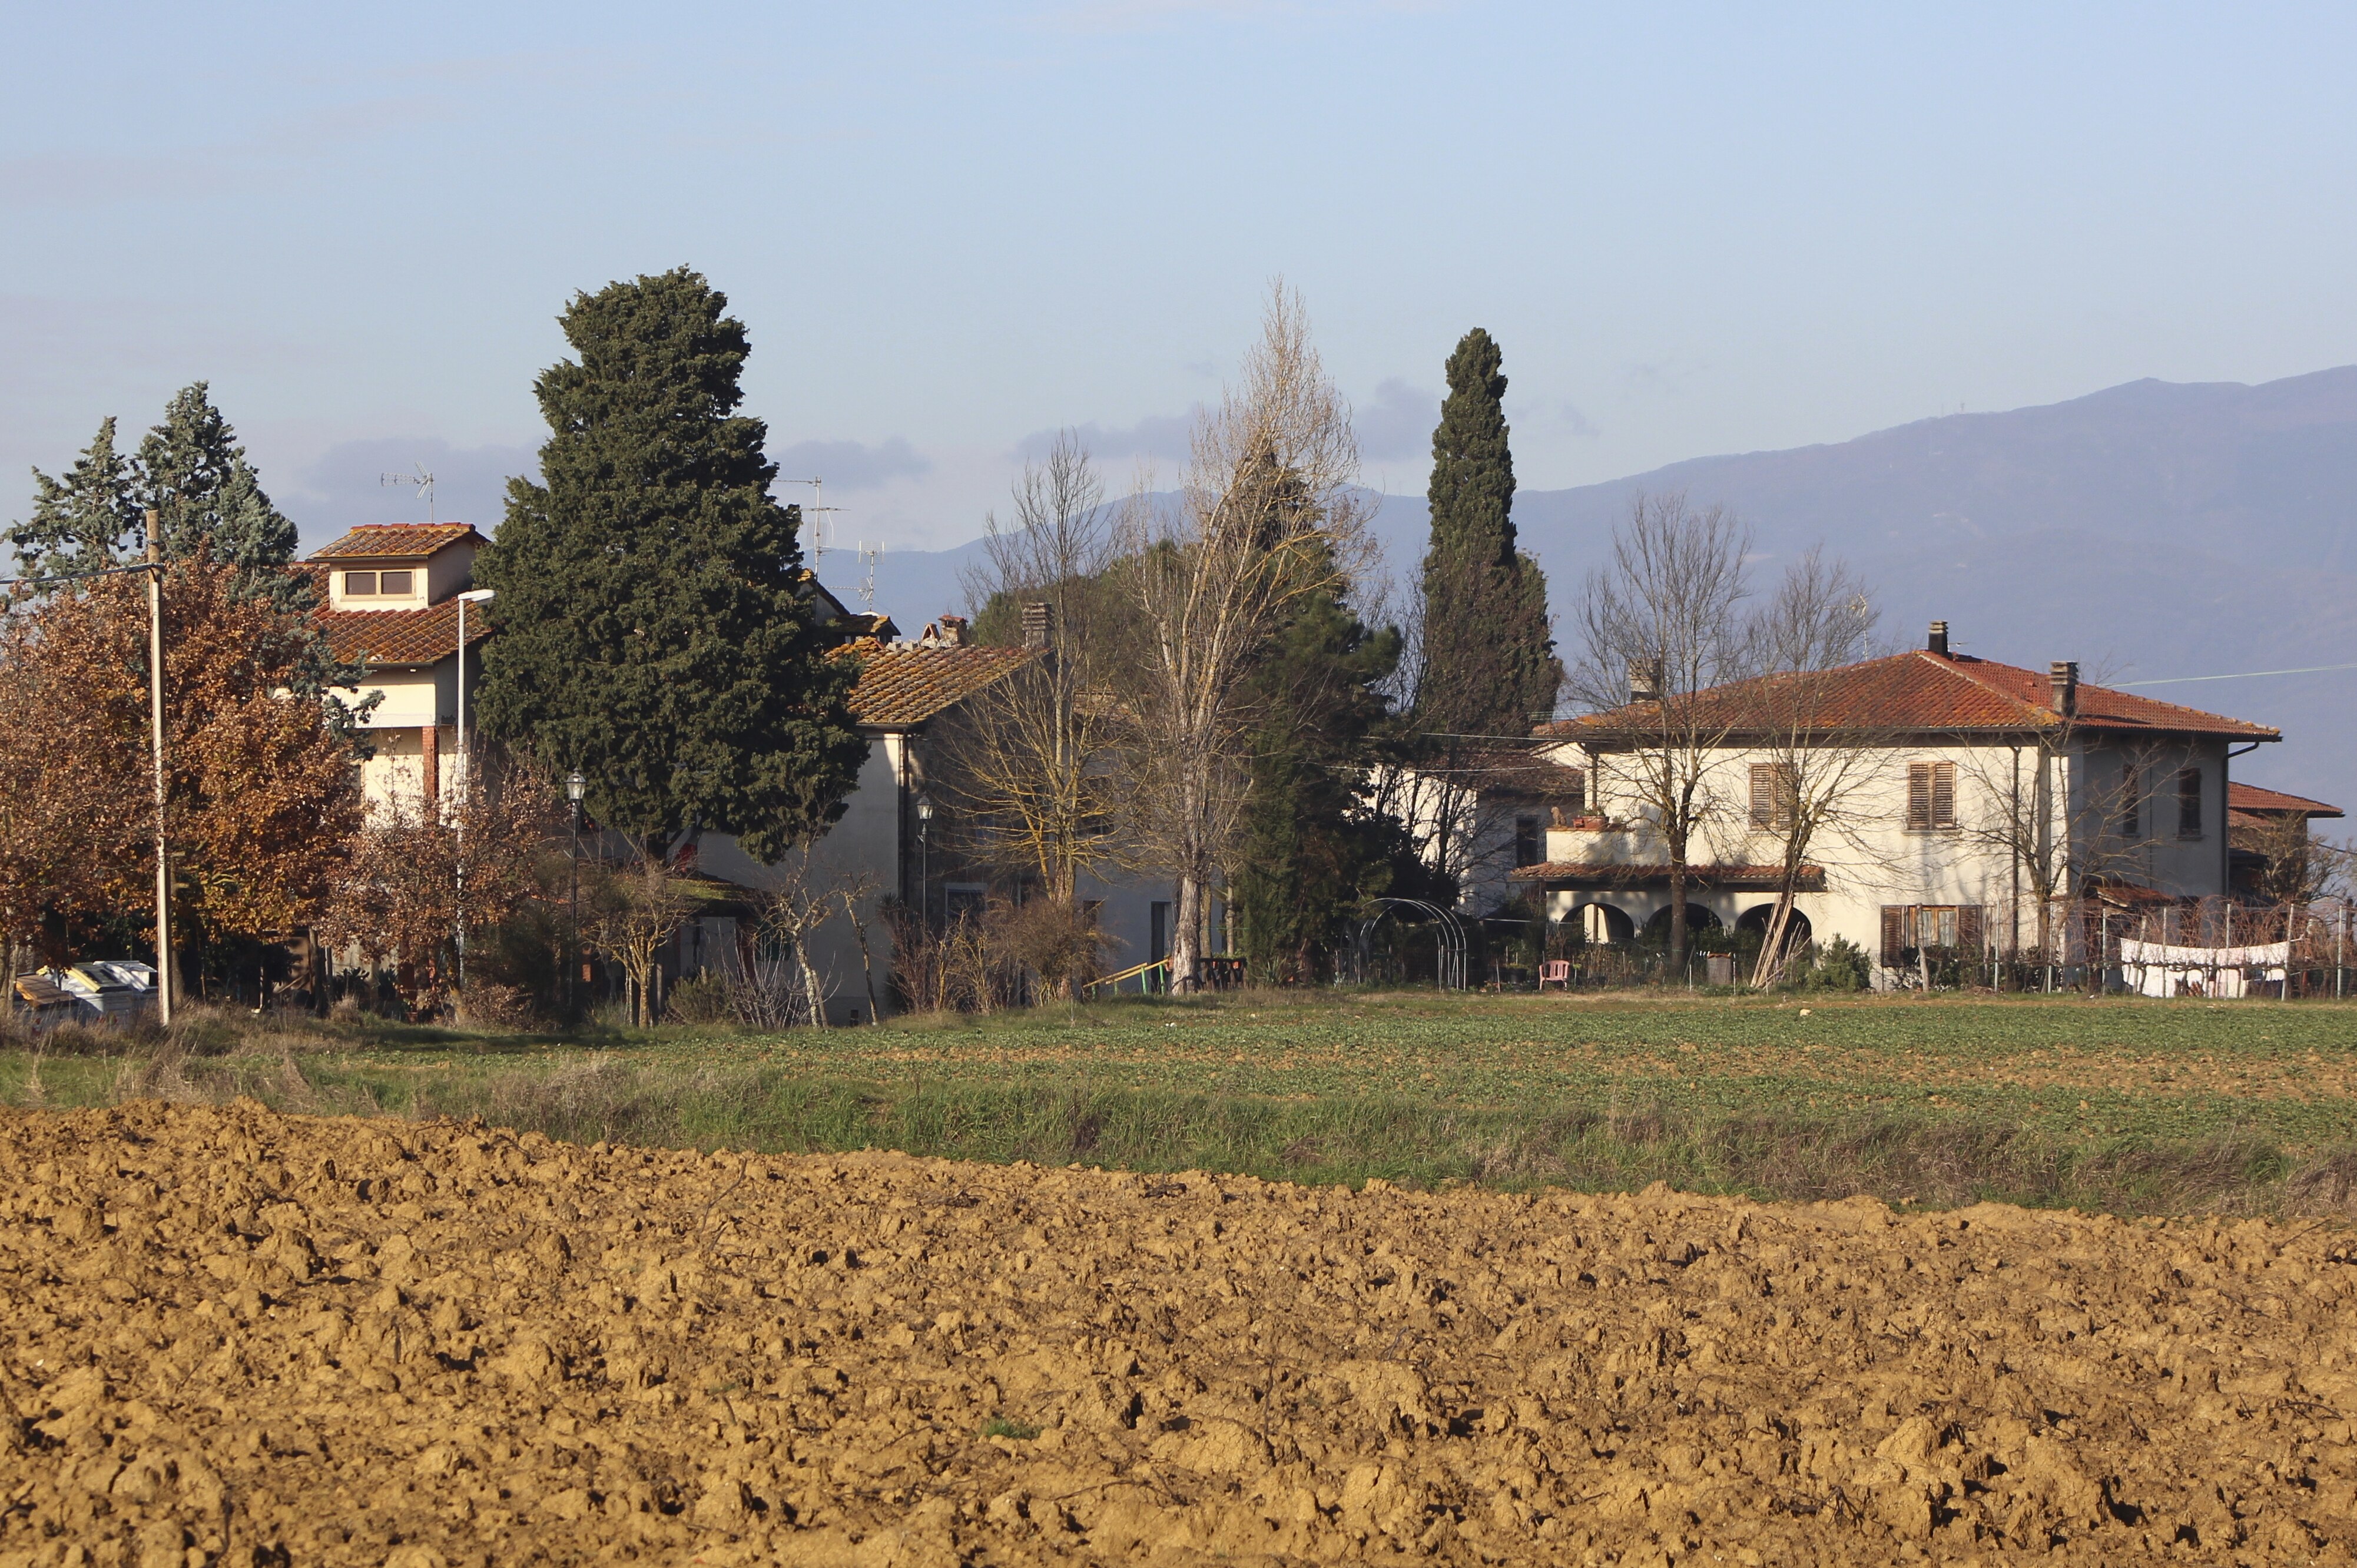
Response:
column 925, row 862
column 575, row 788
column 464, row 777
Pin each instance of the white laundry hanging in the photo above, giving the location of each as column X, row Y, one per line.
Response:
column 2157, row 969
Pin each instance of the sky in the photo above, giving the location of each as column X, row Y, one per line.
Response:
column 1694, row 227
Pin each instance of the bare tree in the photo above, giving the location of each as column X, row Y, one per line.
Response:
column 631, row 914
column 1660, row 628
column 1818, row 761
column 1026, row 760
column 1265, row 514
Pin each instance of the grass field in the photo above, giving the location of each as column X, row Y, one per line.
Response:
column 2129, row 1105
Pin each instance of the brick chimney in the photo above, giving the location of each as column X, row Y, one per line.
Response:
column 1039, row 623
column 1938, row 641
column 1644, row 681
column 2062, row 675
column 952, row 631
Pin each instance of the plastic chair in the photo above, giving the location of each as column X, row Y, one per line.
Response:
column 1556, row 970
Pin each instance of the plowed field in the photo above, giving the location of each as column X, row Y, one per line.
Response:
column 228, row 1337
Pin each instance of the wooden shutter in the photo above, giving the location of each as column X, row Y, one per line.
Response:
column 2131, row 803
column 1972, row 928
column 1894, row 931
column 2188, row 804
column 1763, row 794
column 1918, row 794
column 1943, row 795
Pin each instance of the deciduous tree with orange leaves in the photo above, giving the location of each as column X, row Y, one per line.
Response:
column 263, row 793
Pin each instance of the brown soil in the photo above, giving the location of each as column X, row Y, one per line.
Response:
column 229, row 1337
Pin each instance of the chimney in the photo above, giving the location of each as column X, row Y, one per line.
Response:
column 952, row 631
column 1644, row 681
column 2063, row 676
column 1938, row 641
column 1039, row 623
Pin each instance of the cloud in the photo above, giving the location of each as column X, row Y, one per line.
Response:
column 1398, row 423
column 1155, row 435
column 851, row 464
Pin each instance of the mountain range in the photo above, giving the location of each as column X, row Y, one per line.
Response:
column 2152, row 532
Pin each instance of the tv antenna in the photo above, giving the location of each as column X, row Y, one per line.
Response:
column 817, row 514
column 421, row 479
column 868, row 555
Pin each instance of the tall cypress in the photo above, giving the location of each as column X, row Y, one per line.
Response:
column 1490, row 667
column 656, row 629
column 80, row 519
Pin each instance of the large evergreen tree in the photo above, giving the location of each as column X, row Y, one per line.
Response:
column 1310, row 853
column 655, row 628
column 1490, row 667
column 192, row 471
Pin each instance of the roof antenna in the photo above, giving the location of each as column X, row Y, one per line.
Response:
column 868, row 555
column 421, row 480
column 817, row 514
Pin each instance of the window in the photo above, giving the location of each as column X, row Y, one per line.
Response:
column 2188, row 804
column 1931, row 795
column 2131, row 803
column 359, row 583
column 1953, row 927
column 963, row 901
column 394, row 582
column 1575, row 800
column 1530, row 841
column 1773, row 795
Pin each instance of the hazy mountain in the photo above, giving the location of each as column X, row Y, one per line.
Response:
column 2150, row 530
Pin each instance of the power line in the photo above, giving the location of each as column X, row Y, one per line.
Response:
column 2246, row 675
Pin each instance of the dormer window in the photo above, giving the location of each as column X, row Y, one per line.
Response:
column 377, row 585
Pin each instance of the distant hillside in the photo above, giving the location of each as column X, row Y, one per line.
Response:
column 2154, row 529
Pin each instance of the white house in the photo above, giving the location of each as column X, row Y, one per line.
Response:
column 1972, row 781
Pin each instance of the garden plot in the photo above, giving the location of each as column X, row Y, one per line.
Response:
column 259, row 1339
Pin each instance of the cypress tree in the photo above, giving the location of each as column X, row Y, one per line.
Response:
column 656, row 629
column 1488, row 651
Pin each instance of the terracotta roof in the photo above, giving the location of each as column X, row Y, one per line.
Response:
column 2275, row 802
column 1585, row 873
column 378, row 638
column 377, row 538
column 1921, row 691
column 900, row 685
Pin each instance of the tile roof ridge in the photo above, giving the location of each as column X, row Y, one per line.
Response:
column 2037, row 712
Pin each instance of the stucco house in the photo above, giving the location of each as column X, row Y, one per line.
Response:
column 393, row 608
column 1975, row 780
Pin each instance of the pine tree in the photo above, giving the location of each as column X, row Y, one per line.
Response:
column 206, row 496
column 78, row 521
column 655, row 626
column 1490, row 667
column 1311, row 853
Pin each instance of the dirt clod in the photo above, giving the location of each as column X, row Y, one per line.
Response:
column 228, row 1337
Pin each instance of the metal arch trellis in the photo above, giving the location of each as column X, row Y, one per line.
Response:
column 1450, row 947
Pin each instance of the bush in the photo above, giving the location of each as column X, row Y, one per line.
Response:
column 1839, row 965
column 702, row 999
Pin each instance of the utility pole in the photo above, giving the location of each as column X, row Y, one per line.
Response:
column 464, row 775
column 155, row 734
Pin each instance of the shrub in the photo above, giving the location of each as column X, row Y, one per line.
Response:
column 701, row 999
column 1839, row 965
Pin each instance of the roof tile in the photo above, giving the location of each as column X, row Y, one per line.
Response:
column 380, row 638
column 901, row 685
column 1921, row 691
column 405, row 539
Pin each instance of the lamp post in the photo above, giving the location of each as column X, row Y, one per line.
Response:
column 575, row 788
column 925, row 862
column 464, row 779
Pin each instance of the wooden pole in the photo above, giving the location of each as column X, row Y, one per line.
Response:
column 155, row 732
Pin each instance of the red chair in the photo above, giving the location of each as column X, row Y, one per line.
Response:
column 1557, row 969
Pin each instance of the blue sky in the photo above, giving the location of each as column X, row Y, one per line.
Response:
column 1695, row 228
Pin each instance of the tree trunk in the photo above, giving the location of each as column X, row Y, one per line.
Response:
column 1187, row 935
column 1677, row 955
